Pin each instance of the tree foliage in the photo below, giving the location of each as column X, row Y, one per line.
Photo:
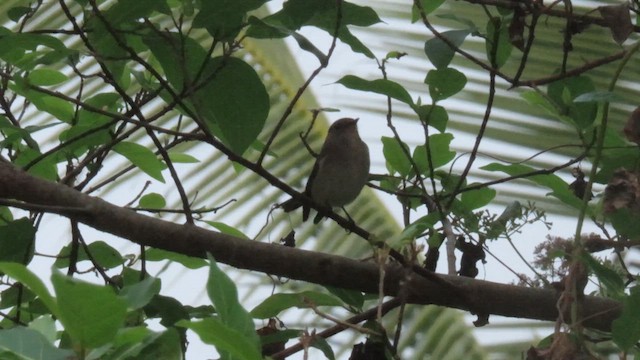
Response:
column 107, row 93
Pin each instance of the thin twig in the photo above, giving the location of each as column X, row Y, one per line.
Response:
column 45, row 208
column 366, row 315
column 304, row 86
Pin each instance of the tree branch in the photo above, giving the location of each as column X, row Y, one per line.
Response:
column 310, row 266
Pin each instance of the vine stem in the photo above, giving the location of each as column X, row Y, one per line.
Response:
column 601, row 132
column 602, row 129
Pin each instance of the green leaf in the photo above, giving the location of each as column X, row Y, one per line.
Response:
column 5, row 215
column 434, row 115
column 419, row 226
column 223, row 19
column 498, row 35
column 45, row 325
column 140, row 294
column 352, row 14
column 106, row 101
column 439, row 53
column 230, row 96
column 564, row 92
column 536, row 98
column 322, row 345
column 471, row 26
column 261, row 29
column 129, row 341
column 152, row 201
column 53, row 105
column 180, row 66
column 16, row 13
column 168, row 309
column 435, row 241
column 320, row 14
column 611, row 280
column 421, row 159
column 200, row 312
column 14, row 295
column 20, row 273
column 378, row 86
column 86, row 134
column 275, row 304
column 133, row 335
column 131, row 10
column 354, row 43
column 59, row 108
column 182, row 158
column 30, row 344
column 625, row 222
column 140, row 343
column 625, row 329
column 440, row 153
column 15, row 135
column 91, row 129
column 224, row 295
column 46, row 77
column 512, row 212
column 227, row 339
column 617, row 155
column 396, row 158
column 45, row 168
column 598, row 96
column 226, row 229
column 36, row 308
column 91, row 314
column 293, row 15
column 26, row 50
column 350, row 297
column 17, row 241
column 107, row 46
column 235, row 101
column 189, row 262
column 280, row 336
column 428, row 6
column 444, row 82
column 439, row 144
column 141, row 157
column 449, row 180
column 478, row 198
column 560, row 189
column 410, row 197
column 166, row 345
column 102, row 253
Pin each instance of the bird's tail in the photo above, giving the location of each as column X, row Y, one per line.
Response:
column 290, row 205
column 293, row 204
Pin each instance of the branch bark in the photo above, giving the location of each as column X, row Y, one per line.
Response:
column 325, row 269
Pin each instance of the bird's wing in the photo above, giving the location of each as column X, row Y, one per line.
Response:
column 307, row 190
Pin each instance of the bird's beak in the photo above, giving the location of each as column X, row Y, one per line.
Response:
column 356, row 120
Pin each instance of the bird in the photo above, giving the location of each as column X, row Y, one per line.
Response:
column 340, row 172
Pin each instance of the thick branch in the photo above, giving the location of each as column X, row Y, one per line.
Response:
column 315, row 267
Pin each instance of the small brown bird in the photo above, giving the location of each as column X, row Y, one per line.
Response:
column 340, row 172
